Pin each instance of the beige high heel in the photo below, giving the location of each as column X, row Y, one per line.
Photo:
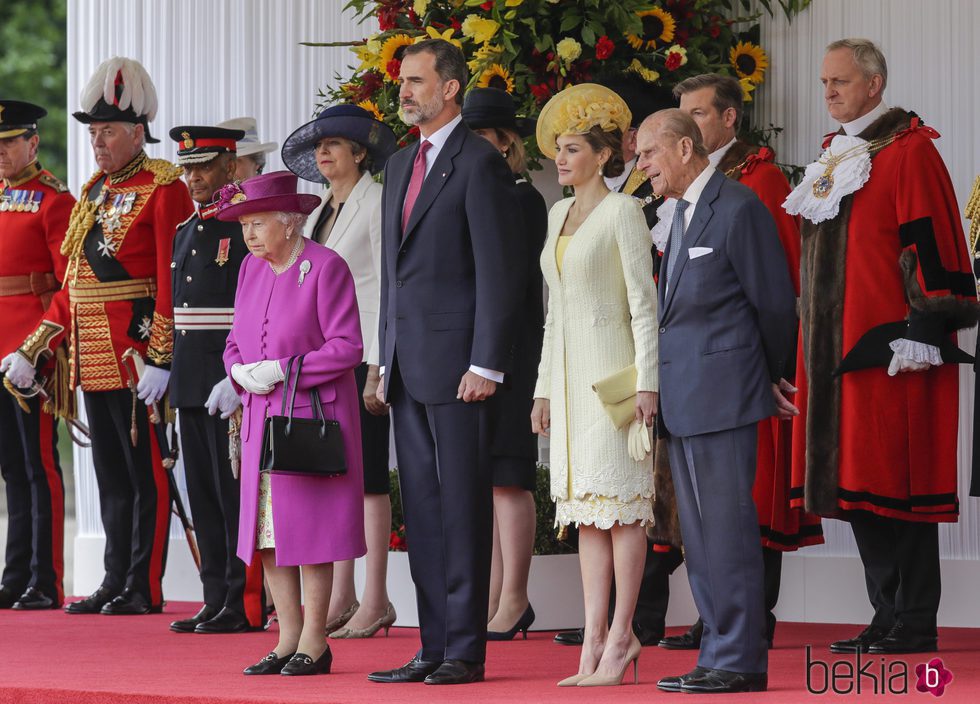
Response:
column 342, row 620
column 385, row 622
column 572, row 681
column 632, row 656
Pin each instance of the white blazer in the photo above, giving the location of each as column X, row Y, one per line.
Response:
column 356, row 236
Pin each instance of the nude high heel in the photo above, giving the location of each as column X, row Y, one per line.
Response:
column 385, row 622
column 342, row 620
column 572, row 681
column 632, row 656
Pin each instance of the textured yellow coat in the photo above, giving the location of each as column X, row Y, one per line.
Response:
column 602, row 316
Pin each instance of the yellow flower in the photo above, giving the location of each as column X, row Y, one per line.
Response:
column 486, row 54
column 647, row 74
column 479, row 29
column 513, row 3
column 568, row 49
column 496, row 76
column 372, row 107
column 433, row 33
column 658, row 27
column 749, row 61
column 747, row 88
column 678, row 49
column 420, row 6
column 369, row 54
column 392, row 49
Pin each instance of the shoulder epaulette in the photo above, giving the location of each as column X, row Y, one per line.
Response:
column 163, row 171
column 189, row 218
column 51, row 181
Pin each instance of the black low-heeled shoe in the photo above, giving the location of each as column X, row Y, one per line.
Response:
column 271, row 664
column 523, row 623
column 303, row 664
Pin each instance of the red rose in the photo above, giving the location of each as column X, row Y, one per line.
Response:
column 541, row 91
column 673, row 61
column 456, row 24
column 487, row 6
column 714, row 31
column 388, row 18
column 604, row 48
column 394, row 68
column 414, row 18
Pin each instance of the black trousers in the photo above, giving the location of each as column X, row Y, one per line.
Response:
column 901, row 570
column 214, row 496
column 447, row 496
column 31, row 471
column 133, row 494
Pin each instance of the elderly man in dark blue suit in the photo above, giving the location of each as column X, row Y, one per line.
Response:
column 727, row 322
column 449, row 302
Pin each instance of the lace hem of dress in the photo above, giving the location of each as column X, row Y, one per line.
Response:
column 265, row 535
column 603, row 512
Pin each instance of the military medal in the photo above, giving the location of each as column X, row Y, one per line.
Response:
column 128, row 202
column 107, row 248
column 19, row 201
column 36, row 201
column 304, row 269
column 223, row 246
column 145, row 326
column 4, row 201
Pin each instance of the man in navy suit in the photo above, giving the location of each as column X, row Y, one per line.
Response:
column 727, row 318
column 449, row 301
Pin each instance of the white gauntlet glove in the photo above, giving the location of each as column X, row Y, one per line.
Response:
column 639, row 442
column 268, row 373
column 242, row 373
column 152, row 385
column 223, row 399
column 16, row 368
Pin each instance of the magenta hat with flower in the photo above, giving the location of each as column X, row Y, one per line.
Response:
column 272, row 192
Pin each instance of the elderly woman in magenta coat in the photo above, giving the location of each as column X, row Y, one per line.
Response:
column 294, row 297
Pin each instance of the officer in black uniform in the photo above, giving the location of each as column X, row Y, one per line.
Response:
column 662, row 559
column 207, row 256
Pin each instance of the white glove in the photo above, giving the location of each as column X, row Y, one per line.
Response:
column 152, row 385
column 268, row 373
column 16, row 368
column 223, row 398
column 242, row 373
column 639, row 442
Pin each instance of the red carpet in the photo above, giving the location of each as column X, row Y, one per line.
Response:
column 52, row 657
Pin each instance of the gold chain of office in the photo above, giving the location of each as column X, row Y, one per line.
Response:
column 825, row 183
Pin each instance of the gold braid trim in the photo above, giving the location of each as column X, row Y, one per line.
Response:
column 161, row 347
column 61, row 398
column 972, row 213
column 38, row 342
column 163, row 171
column 80, row 222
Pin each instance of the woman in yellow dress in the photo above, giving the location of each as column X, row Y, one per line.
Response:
column 601, row 319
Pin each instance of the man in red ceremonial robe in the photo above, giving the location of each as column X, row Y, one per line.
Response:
column 886, row 280
column 715, row 102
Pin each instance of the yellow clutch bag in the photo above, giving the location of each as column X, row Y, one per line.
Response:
column 617, row 394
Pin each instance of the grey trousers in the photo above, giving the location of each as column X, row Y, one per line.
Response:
column 713, row 476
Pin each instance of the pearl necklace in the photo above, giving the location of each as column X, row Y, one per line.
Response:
column 293, row 256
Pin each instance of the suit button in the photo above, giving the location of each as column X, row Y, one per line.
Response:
column 663, row 330
column 398, row 284
column 189, row 279
column 193, row 252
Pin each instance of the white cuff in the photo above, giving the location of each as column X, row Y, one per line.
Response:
column 918, row 352
column 490, row 374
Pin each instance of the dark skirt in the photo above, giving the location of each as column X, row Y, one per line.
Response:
column 374, row 442
column 520, row 472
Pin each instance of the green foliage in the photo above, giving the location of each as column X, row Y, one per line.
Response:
column 33, row 52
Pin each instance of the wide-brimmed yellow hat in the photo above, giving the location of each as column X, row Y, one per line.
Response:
column 578, row 109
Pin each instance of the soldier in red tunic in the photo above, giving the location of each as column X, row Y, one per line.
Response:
column 715, row 102
column 117, row 296
column 886, row 281
column 34, row 210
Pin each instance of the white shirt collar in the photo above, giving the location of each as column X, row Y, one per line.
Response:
column 438, row 140
column 614, row 184
column 715, row 157
column 856, row 127
column 693, row 192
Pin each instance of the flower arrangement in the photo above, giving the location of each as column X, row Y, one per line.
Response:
column 534, row 48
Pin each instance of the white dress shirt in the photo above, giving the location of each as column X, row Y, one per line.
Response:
column 692, row 195
column 856, row 127
column 615, row 183
column 715, row 157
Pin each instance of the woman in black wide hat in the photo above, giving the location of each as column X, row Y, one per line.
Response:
column 490, row 112
column 343, row 147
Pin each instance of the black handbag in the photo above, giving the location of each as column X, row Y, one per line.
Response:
column 312, row 447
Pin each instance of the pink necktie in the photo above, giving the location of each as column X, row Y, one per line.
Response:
column 415, row 184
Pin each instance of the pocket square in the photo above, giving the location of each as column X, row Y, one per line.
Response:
column 695, row 252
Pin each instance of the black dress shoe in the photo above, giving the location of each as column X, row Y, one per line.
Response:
column 271, row 664
column 724, row 682
column 302, row 664
column 227, row 621
column 901, row 639
column 861, row 642
column 523, row 623
column 456, row 672
column 576, row 637
column 187, row 625
column 648, row 635
column 92, row 604
column 674, row 684
column 35, row 600
column 416, row 670
column 8, row 596
column 130, row 603
column 691, row 640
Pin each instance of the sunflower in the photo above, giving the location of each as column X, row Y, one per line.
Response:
column 372, row 107
column 749, row 61
column 392, row 50
column 496, row 76
column 658, row 27
column 747, row 88
column 485, row 55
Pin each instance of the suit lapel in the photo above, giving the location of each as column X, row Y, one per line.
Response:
column 438, row 175
column 398, row 174
column 347, row 214
column 702, row 216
